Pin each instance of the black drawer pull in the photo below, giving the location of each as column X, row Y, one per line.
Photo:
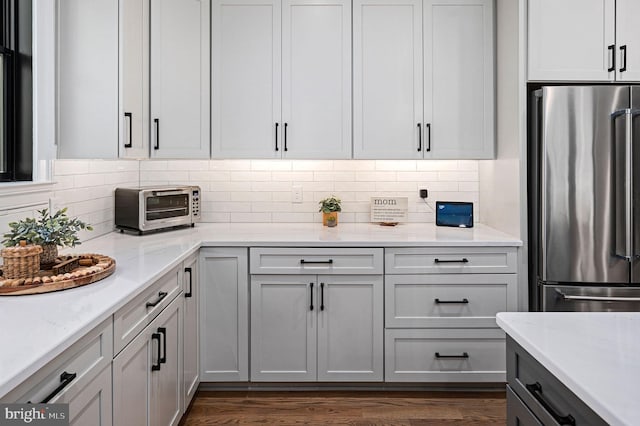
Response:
column 322, row 296
column 130, row 117
column 612, row 52
column 463, row 355
column 311, row 287
column 156, row 367
column 623, row 59
column 161, row 295
column 465, row 300
column 302, row 261
column 463, row 260
column 163, row 359
column 536, row 391
column 65, row 379
column 190, row 292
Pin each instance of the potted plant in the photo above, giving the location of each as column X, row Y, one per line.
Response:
column 330, row 208
column 48, row 231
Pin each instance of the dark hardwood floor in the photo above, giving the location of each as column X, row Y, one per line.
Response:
column 357, row 408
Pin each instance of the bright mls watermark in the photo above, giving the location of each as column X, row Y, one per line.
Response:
column 34, row 414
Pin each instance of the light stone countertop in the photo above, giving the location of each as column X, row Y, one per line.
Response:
column 35, row 329
column 595, row 354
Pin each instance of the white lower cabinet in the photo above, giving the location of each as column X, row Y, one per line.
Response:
column 224, row 314
column 147, row 374
column 440, row 312
column 316, row 328
column 323, row 323
column 191, row 329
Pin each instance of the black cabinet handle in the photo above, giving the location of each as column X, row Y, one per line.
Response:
column 157, row 123
column 463, row 260
column 285, row 136
column 302, row 261
column 464, row 355
column 163, row 359
column 536, row 391
column 322, row 296
column 156, row 336
column 419, row 137
column 428, row 136
column 130, row 117
column 190, row 292
column 65, row 379
column 438, row 301
column 161, row 296
column 623, row 52
column 311, row 287
column 612, row 51
column 277, row 125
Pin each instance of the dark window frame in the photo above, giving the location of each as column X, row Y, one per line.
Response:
column 17, row 90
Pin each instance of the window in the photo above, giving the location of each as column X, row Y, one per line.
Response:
column 16, row 91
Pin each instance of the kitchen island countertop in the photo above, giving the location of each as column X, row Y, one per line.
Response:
column 595, row 354
column 37, row 328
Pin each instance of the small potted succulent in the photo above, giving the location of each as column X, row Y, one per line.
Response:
column 48, row 231
column 330, row 208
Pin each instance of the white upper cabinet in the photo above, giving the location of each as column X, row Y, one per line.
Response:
column 180, row 78
column 281, row 79
column 134, row 78
column 87, row 78
column 246, row 94
column 316, row 78
column 423, row 79
column 458, row 79
column 628, row 40
column 387, row 79
column 572, row 39
column 164, row 51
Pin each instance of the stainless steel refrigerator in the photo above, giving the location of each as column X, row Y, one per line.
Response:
column 584, row 198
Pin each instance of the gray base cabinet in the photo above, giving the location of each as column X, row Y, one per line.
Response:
column 323, row 323
column 147, row 374
column 191, row 329
column 440, row 312
column 224, row 314
column 535, row 396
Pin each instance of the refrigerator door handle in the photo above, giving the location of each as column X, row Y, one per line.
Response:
column 623, row 174
column 634, row 114
column 598, row 298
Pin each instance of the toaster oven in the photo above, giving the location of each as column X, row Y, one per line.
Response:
column 147, row 209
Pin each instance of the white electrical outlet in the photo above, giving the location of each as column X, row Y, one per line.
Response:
column 296, row 194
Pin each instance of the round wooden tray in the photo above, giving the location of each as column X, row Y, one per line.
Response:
column 54, row 280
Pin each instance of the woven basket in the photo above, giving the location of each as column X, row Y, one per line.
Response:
column 22, row 261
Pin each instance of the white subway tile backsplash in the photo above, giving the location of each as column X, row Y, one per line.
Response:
column 396, row 165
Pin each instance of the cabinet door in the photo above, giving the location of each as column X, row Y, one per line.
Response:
column 350, row 328
column 132, row 380
column 316, row 78
column 92, row 406
column 191, row 330
column 87, row 78
column 569, row 40
column 134, row 78
column 166, row 383
column 180, row 78
column 283, row 328
column 387, row 79
column 224, row 314
column 458, row 78
column 628, row 40
column 246, row 86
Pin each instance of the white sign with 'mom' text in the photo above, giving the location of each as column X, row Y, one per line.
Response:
column 389, row 209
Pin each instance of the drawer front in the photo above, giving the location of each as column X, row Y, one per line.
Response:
column 546, row 397
column 451, row 260
column 76, row 367
column 445, row 355
column 132, row 318
column 465, row 300
column 517, row 412
column 326, row 261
